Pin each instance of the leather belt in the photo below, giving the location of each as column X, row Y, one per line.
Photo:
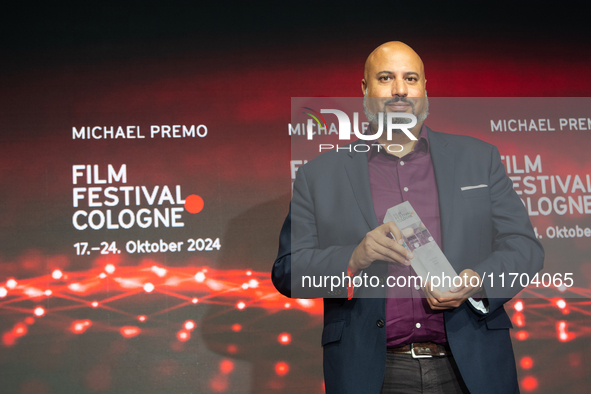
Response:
column 422, row 350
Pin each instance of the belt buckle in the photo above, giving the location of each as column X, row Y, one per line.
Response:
column 412, row 352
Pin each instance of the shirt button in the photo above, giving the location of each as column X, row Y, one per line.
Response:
column 380, row 323
column 417, row 287
column 418, row 325
column 405, row 189
column 401, row 163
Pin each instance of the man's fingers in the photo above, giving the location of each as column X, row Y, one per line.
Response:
column 444, row 300
column 435, row 305
column 390, row 244
column 378, row 246
column 431, row 297
column 454, row 295
column 385, row 241
column 435, row 299
column 393, row 229
column 455, row 289
column 379, row 252
column 381, row 234
column 385, row 246
column 439, row 304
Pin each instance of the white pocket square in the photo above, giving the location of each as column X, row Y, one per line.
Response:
column 472, row 187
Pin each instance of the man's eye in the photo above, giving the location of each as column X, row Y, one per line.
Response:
column 412, row 79
column 385, row 78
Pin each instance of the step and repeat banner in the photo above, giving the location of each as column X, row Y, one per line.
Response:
column 139, row 226
column 142, row 199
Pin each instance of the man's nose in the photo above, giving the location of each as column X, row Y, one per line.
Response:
column 399, row 89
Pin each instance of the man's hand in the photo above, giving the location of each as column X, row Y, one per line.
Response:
column 378, row 246
column 455, row 296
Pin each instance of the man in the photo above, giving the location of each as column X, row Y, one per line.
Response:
column 450, row 342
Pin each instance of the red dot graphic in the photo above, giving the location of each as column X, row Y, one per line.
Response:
column 281, row 368
column 527, row 362
column 529, row 383
column 193, row 203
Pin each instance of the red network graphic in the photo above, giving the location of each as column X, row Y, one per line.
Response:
column 95, row 288
column 49, row 299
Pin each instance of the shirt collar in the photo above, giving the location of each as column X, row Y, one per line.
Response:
column 421, row 145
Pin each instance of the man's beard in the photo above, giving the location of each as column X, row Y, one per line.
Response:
column 373, row 117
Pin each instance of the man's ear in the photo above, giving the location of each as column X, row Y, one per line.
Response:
column 363, row 86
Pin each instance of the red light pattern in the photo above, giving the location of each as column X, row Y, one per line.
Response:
column 232, row 349
column 79, row 326
column 9, row 337
column 183, row 335
column 284, row 338
column 522, row 335
column 20, row 329
column 561, row 303
column 526, row 362
column 529, row 383
column 129, row 331
column 281, row 368
column 519, row 319
column 219, row 286
column 226, row 366
column 563, row 334
column 120, row 289
column 545, row 321
column 549, row 324
column 189, row 325
column 11, row 283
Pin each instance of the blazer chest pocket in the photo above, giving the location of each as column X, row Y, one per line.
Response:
column 474, row 193
column 332, row 332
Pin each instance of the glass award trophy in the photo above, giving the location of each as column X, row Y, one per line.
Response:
column 429, row 261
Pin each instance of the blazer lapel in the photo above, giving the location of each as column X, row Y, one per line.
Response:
column 358, row 174
column 443, row 160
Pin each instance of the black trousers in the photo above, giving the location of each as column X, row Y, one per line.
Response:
column 407, row 375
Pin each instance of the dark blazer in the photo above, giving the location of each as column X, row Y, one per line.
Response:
column 486, row 229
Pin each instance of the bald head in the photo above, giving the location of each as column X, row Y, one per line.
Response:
column 394, row 81
column 392, row 52
column 396, row 65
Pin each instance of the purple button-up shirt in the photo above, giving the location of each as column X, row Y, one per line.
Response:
column 393, row 180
